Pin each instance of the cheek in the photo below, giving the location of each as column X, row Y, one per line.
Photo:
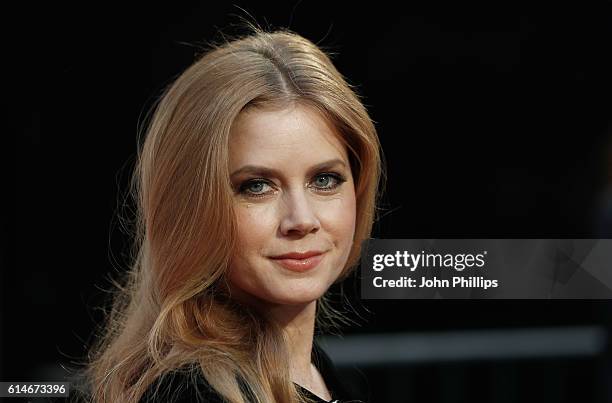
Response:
column 254, row 229
column 254, row 225
column 346, row 220
column 341, row 220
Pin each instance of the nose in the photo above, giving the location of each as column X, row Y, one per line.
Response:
column 298, row 216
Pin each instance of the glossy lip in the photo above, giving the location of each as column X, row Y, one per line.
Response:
column 298, row 255
column 299, row 262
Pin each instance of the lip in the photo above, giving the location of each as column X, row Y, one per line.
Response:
column 298, row 255
column 299, row 262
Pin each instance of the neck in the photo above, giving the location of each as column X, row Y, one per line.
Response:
column 298, row 323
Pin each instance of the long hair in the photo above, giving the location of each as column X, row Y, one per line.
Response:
column 171, row 310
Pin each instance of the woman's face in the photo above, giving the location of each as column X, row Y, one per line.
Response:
column 293, row 193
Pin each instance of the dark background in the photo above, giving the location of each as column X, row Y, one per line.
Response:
column 495, row 120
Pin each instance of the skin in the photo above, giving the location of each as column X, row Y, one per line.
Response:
column 295, row 209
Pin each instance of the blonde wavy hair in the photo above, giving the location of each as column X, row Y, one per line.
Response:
column 170, row 310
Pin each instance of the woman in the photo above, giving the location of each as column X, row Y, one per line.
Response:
column 256, row 184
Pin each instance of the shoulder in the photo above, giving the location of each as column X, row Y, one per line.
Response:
column 181, row 385
column 348, row 385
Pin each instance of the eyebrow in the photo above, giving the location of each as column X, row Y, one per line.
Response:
column 265, row 171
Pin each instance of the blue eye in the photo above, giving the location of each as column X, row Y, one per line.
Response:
column 254, row 187
column 325, row 182
column 330, row 181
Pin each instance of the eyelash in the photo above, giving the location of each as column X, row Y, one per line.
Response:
column 245, row 185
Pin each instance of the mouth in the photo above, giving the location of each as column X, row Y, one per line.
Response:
column 299, row 262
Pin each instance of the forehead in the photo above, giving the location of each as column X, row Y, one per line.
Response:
column 291, row 135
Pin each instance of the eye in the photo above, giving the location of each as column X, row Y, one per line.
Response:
column 254, row 187
column 328, row 181
column 257, row 188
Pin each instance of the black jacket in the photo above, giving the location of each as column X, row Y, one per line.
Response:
column 179, row 387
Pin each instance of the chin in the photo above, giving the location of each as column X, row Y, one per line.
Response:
column 294, row 302
column 298, row 297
